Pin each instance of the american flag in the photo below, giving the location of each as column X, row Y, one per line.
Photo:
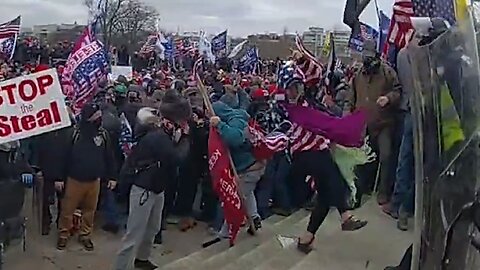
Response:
column 183, row 46
column 150, row 45
column 8, row 37
column 401, row 28
column 304, row 140
column 435, row 8
column 308, row 64
column 126, row 140
column 266, row 145
column 85, row 68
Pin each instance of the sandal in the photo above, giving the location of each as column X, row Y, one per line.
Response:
column 305, row 247
column 353, row 224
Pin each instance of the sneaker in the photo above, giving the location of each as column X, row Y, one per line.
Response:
column 353, row 224
column 62, row 243
column 144, row 265
column 111, row 228
column 86, row 242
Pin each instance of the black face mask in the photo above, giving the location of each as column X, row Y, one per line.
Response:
column 371, row 64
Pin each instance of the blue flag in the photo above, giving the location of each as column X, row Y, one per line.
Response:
column 219, row 42
column 384, row 26
column 366, row 33
column 248, row 62
column 169, row 48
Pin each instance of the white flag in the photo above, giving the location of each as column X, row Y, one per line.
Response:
column 237, row 49
column 205, row 47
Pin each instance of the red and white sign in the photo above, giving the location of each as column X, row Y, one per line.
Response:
column 31, row 105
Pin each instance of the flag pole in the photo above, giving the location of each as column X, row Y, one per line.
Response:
column 208, row 104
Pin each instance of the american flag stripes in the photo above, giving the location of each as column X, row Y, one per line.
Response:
column 149, row 45
column 8, row 37
column 10, row 28
column 266, row 145
column 183, row 46
column 304, row 140
column 308, row 64
column 401, row 29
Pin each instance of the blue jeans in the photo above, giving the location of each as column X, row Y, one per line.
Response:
column 110, row 208
column 274, row 184
column 404, row 192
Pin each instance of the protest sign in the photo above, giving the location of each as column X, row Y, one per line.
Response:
column 126, row 71
column 31, row 105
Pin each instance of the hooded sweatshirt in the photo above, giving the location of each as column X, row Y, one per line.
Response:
column 232, row 128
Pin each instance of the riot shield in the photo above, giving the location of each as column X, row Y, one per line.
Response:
column 446, row 114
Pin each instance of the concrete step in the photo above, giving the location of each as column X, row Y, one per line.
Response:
column 196, row 258
column 374, row 247
column 279, row 258
column 268, row 232
column 267, row 249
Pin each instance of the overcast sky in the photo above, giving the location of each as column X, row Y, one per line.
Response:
column 240, row 17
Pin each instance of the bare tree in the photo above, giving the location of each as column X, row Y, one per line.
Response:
column 134, row 20
column 126, row 19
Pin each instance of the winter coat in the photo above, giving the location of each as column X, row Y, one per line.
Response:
column 157, row 156
column 233, row 130
column 367, row 88
column 89, row 155
column 48, row 152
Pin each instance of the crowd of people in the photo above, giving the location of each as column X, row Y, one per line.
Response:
column 86, row 167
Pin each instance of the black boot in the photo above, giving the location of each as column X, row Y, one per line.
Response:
column 158, row 238
column 144, row 265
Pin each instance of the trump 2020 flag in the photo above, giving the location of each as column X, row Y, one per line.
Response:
column 224, row 183
column 249, row 61
column 219, row 43
column 366, row 33
column 8, row 37
column 86, row 66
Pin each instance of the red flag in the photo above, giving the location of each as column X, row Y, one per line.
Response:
column 224, row 183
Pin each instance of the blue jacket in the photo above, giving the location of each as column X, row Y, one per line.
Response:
column 232, row 129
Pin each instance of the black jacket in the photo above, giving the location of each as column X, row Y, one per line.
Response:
column 90, row 156
column 159, row 154
column 49, row 151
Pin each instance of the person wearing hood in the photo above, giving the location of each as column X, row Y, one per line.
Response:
column 232, row 124
column 162, row 144
column 132, row 105
column 89, row 159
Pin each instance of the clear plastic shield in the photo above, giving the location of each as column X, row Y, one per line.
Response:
column 446, row 111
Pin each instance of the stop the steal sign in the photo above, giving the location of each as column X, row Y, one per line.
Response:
column 31, row 105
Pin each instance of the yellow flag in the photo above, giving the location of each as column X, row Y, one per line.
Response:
column 326, row 44
column 461, row 9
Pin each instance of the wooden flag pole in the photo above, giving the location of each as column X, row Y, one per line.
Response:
column 208, row 104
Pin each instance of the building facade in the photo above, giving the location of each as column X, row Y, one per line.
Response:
column 313, row 40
